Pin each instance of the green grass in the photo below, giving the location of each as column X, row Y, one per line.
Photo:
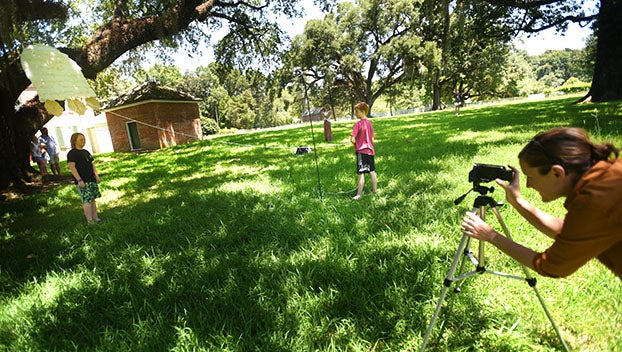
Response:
column 226, row 244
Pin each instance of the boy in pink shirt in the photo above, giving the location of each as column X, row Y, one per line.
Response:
column 363, row 139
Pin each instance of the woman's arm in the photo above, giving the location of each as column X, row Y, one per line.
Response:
column 475, row 227
column 544, row 222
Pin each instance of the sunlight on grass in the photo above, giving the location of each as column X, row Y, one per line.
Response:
column 235, row 168
column 119, row 182
column 41, row 296
column 112, row 197
column 228, row 244
column 483, row 137
column 152, row 267
column 263, row 185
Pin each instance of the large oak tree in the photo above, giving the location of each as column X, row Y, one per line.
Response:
column 121, row 26
column 470, row 60
column 363, row 48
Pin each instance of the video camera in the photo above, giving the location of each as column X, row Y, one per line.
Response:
column 486, row 173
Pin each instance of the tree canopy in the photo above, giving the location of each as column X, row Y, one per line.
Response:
column 363, row 49
column 368, row 47
column 534, row 16
column 96, row 33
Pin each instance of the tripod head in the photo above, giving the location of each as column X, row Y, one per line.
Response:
column 482, row 190
column 477, row 187
column 485, row 173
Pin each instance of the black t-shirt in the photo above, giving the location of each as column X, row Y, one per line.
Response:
column 84, row 164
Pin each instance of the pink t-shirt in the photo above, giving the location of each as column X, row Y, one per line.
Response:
column 363, row 133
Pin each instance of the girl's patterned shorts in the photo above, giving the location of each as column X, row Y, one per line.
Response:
column 90, row 192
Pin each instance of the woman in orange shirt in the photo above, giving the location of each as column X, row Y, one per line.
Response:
column 563, row 162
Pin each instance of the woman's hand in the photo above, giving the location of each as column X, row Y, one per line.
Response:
column 512, row 189
column 474, row 226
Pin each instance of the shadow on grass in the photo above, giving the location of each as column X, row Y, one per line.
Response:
column 222, row 245
column 218, row 268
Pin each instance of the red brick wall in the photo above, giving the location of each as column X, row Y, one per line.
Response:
column 176, row 123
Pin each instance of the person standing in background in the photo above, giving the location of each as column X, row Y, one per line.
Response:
column 52, row 150
column 457, row 102
column 38, row 155
column 328, row 129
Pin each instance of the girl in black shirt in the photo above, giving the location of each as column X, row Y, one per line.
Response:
column 85, row 175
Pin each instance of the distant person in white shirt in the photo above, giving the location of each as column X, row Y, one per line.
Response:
column 52, row 150
column 39, row 154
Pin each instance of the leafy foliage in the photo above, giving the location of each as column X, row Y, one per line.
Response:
column 209, row 126
column 555, row 67
column 362, row 49
column 574, row 85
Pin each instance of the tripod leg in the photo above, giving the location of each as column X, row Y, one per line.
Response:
column 481, row 257
column 446, row 283
column 532, row 282
column 467, row 250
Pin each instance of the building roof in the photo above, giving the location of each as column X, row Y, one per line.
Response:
column 149, row 91
column 313, row 112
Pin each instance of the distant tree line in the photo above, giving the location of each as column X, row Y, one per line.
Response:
column 232, row 99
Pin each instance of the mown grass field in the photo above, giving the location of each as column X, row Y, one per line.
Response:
column 230, row 245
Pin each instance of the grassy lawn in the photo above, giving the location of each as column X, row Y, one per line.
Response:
column 229, row 244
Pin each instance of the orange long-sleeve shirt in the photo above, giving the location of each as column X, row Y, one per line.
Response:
column 592, row 227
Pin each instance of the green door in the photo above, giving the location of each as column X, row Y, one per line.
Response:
column 132, row 131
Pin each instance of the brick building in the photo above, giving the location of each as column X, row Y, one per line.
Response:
column 314, row 114
column 151, row 117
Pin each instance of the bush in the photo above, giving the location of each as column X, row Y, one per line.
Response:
column 229, row 130
column 574, row 85
column 209, row 126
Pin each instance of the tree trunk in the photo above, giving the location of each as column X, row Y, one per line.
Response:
column 16, row 131
column 436, row 94
column 607, row 80
column 446, row 48
column 16, row 128
column 10, row 169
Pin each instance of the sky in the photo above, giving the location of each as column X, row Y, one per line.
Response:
column 574, row 38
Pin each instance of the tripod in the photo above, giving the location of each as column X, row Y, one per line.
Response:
column 479, row 207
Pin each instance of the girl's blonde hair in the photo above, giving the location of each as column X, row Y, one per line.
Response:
column 73, row 139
